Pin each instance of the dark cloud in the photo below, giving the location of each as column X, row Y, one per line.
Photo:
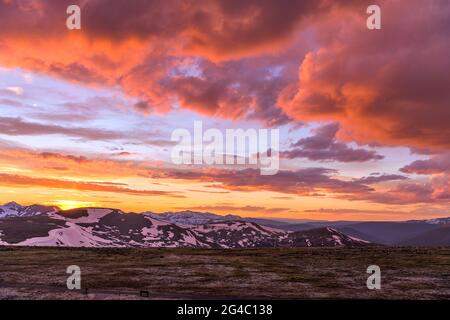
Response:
column 434, row 191
column 324, row 146
column 301, row 182
column 373, row 179
column 434, row 165
column 19, row 127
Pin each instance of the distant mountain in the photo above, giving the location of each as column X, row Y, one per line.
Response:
column 413, row 232
column 435, row 237
column 195, row 218
column 389, row 233
column 432, row 221
column 324, row 237
column 317, row 224
column 13, row 209
column 191, row 217
column 100, row 227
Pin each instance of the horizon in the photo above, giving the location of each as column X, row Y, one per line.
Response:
column 280, row 219
column 88, row 116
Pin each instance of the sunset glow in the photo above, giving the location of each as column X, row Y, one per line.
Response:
column 86, row 116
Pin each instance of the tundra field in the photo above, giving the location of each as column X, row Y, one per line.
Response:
column 276, row 273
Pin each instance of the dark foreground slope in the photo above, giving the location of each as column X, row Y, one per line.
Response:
column 296, row 273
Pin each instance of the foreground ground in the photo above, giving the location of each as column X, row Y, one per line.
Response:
column 304, row 273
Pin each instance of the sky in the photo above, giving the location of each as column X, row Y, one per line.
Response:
column 86, row 116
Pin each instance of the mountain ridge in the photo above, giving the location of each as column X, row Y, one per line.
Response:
column 104, row 227
column 428, row 232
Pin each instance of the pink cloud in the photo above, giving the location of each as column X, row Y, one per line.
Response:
column 388, row 86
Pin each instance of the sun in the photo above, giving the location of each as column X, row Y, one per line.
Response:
column 72, row 204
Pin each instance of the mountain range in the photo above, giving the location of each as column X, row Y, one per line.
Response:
column 39, row 225
column 101, row 227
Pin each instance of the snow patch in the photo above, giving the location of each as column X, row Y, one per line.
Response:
column 71, row 236
column 94, row 215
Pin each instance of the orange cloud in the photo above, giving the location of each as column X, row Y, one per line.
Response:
column 57, row 164
column 388, row 86
column 25, row 168
column 27, row 181
column 139, row 45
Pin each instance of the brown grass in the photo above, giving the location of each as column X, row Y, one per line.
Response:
column 277, row 273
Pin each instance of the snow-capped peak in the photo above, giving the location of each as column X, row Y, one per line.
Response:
column 38, row 225
column 445, row 220
column 13, row 209
column 191, row 217
column 438, row 221
column 12, row 205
